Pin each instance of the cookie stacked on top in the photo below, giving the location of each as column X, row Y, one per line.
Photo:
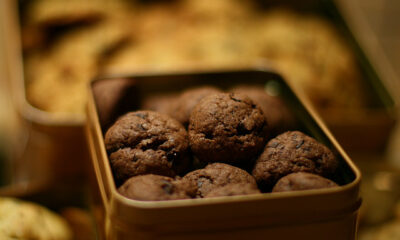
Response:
column 208, row 143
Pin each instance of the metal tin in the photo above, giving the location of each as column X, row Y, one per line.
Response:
column 52, row 145
column 315, row 214
column 370, row 131
column 366, row 133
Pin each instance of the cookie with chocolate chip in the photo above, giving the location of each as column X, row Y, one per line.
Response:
column 145, row 142
column 291, row 152
column 227, row 127
column 302, row 181
column 214, row 176
column 153, row 188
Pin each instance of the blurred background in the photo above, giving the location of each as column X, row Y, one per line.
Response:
column 43, row 77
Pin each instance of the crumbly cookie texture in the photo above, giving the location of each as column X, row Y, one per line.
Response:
column 25, row 220
column 228, row 128
column 291, row 152
column 154, row 188
column 215, row 176
column 145, row 142
column 302, row 181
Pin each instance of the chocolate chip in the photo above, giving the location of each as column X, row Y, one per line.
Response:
column 171, row 156
column 141, row 127
column 242, row 130
column 234, row 99
column 209, row 135
column 274, row 144
column 167, row 187
column 300, row 144
column 141, row 115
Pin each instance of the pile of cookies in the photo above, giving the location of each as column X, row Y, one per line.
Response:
column 27, row 220
column 67, row 43
column 208, row 143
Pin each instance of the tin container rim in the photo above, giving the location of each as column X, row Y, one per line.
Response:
column 96, row 129
column 13, row 54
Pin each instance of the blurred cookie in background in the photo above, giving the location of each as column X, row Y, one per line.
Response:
column 25, row 220
column 185, row 35
column 187, row 100
column 57, row 78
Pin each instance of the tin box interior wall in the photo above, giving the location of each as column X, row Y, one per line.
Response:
column 124, row 219
column 142, row 86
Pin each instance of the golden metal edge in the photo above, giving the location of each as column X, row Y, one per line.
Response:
column 195, row 202
column 16, row 73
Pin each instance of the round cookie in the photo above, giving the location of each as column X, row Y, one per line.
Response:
column 233, row 190
column 113, row 98
column 153, row 188
column 146, row 142
column 184, row 104
column 302, row 181
column 27, row 220
column 228, row 128
column 159, row 103
column 292, row 152
column 278, row 115
column 214, row 176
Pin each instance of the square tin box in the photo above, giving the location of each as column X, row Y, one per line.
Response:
column 314, row 214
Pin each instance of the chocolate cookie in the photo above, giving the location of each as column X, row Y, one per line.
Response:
column 233, row 190
column 292, row 152
column 184, row 104
column 113, row 98
column 278, row 115
column 159, row 103
column 146, row 142
column 302, row 181
column 227, row 127
column 153, row 188
column 216, row 175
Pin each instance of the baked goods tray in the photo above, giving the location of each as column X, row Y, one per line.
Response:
column 53, row 144
column 316, row 214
